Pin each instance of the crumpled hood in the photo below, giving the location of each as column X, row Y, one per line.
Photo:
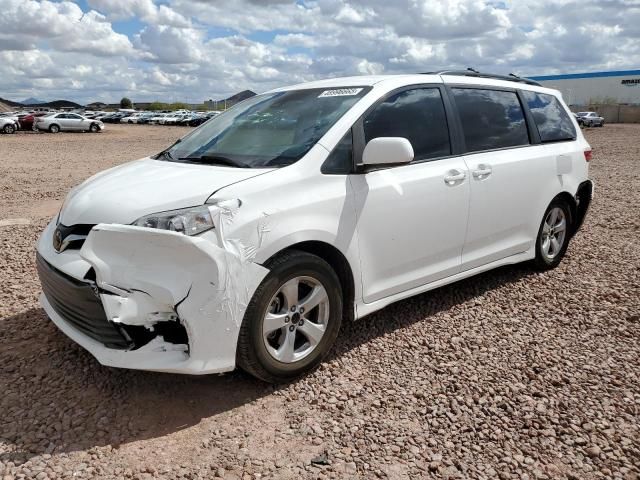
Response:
column 127, row 192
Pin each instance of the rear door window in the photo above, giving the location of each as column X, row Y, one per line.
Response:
column 417, row 115
column 490, row 119
column 552, row 120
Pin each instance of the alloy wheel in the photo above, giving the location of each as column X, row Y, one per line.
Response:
column 296, row 319
column 554, row 231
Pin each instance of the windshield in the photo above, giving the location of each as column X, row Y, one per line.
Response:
column 270, row 130
column 583, row 114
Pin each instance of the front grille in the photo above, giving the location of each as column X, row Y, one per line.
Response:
column 72, row 237
column 76, row 302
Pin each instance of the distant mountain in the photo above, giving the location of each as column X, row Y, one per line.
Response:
column 54, row 104
column 233, row 99
column 238, row 97
column 61, row 104
column 10, row 103
column 32, row 101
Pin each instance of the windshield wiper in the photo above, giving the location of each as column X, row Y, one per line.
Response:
column 165, row 153
column 215, row 160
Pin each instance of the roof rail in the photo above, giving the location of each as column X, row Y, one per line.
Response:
column 470, row 72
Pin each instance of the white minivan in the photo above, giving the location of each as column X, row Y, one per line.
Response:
column 249, row 241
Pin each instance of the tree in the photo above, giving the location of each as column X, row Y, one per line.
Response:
column 125, row 103
column 156, row 106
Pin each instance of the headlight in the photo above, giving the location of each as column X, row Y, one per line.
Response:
column 190, row 221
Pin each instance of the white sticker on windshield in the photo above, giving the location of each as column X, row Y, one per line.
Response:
column 340, row 92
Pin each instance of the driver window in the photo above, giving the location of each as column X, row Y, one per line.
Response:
column 417, row 115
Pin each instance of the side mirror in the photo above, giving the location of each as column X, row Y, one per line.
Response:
column 387, row 150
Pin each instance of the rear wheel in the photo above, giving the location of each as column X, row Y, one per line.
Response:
column 9, row 128
column 553, row 235
column 54, row 128
column 292, row 320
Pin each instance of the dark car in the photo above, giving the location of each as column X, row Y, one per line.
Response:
column 114, row 117
column 197, row 120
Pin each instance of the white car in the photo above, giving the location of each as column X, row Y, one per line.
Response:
column 175, row 118
column 251, row 239
column 157, row 119
column 8, row 125
column 133, row 118
column 68, row 122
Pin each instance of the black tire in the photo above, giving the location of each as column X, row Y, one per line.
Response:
column 602, row 123
column 94, row 128
column 252, row 355
column 9, row 128
column 54, row 128
column 542, row 261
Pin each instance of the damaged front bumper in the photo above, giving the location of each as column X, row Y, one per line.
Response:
column 176, row 302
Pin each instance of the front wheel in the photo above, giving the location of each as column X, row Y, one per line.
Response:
column 9, row 128
column 553, row 236
column 292, row 320
column 93, row 128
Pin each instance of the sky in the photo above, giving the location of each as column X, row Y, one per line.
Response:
column 192, row 50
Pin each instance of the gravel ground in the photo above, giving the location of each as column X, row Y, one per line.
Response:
column 511, row 374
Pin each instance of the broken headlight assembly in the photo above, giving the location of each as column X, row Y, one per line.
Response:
column 190, row 221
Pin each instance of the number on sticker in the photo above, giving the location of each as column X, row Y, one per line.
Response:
column 340, row 92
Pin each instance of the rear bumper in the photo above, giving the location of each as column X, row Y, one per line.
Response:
column 583, row 198
column 144, row 282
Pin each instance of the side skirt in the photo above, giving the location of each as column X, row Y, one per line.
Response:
column 364, row 309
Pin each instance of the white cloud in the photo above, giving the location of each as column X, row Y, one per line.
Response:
column 146, row 10
column 61, row 26
column 196, row 49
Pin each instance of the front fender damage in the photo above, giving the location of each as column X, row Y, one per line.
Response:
column 150, row 280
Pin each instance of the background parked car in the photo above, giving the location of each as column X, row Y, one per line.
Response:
column 8, row 125
column 114, row 117
column 157, row 119
column 132, row 118
column 57, row 122
column 26, row 121
column 590, row 119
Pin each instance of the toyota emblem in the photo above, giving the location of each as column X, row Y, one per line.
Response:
column 57, row 239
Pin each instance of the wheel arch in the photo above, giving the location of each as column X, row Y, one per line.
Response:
column 578, row 203
column 336, row 259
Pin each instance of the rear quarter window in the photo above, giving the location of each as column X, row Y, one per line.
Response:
column 551, row 119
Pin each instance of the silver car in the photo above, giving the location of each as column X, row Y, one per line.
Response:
column 72, row 122
column 8, row 125
column 590, row 119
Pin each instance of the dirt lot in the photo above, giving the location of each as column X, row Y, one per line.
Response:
column 512, row 374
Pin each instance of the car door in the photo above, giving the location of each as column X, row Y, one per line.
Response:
column 506, row 173
column 76, row 122
column 62, row 120
column 411, row 218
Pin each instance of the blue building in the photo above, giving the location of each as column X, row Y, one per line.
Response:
column 621, row 86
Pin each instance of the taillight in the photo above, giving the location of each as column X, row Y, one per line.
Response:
column 587, row 155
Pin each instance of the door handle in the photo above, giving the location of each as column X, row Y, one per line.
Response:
column 454, row 176
column 483, row 171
